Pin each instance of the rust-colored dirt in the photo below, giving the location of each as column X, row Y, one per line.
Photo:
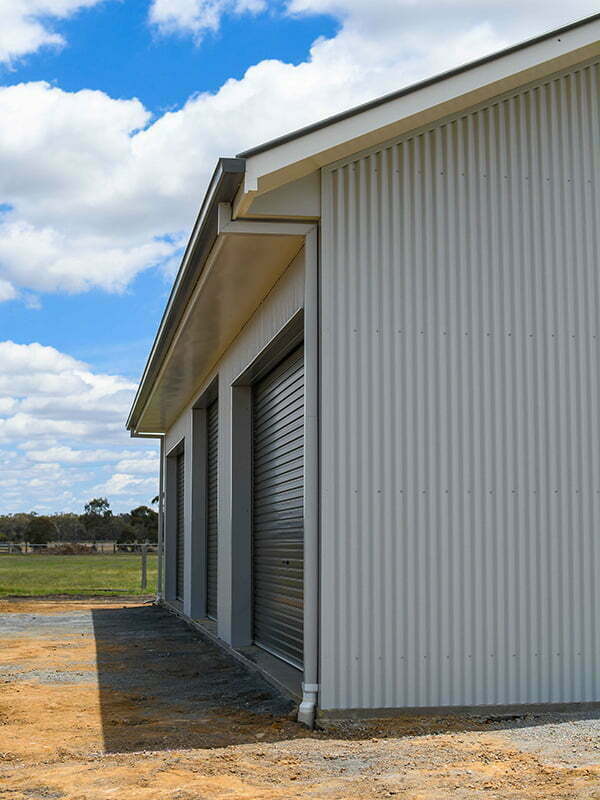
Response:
column 110, row 699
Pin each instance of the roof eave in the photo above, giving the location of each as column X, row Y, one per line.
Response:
column 396, row 95
column 304, row 151
column 223, row 186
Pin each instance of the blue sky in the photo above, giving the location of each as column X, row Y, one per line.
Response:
column 113, row 113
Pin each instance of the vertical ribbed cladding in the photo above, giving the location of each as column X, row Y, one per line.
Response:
column 460, row 392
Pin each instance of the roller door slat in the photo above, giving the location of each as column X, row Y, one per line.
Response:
column 278, row 463
column 283, row 426
column 268, row 401
column 179, row 543
column 212, row 528
column 290, row 402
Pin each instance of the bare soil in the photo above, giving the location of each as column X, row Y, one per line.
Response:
column 114, row 698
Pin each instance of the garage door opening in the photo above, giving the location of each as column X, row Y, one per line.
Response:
column 278, row 510
column 179, row 529
column 212, row 468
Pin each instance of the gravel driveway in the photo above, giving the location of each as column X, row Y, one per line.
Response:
column 105, row 699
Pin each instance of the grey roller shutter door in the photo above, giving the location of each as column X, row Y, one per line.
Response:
column 179, row 547
column 278, row 509
column 212, row 441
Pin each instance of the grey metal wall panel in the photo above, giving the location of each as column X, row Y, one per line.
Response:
column 212, row 488
column 180, row 538
column 461, row 409
column 278, row 504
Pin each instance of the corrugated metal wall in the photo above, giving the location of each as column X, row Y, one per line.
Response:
column 461, row 410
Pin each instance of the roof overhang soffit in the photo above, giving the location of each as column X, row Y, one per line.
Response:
column 247, row 259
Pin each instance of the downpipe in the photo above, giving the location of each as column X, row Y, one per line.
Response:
column 307, row 710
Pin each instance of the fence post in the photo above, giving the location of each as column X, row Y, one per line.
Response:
column 144, row 566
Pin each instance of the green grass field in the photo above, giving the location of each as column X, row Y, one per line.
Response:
column 74, row 575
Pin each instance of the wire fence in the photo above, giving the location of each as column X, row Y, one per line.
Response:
column 76, row 548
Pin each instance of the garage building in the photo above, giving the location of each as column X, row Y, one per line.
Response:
column 377, row 389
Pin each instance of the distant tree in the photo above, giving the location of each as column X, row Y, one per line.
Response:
column 144, row 521
column 96, row 519
column 126, row 534
column 13, row 526
column 97, row 523
column 98, row 507
column 40, row 530
column 69, row 527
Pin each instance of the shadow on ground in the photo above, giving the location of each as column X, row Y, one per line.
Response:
column 81, row 681
column 99, row 675
column 162, row 686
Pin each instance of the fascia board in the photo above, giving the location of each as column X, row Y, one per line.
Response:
column 298, row 154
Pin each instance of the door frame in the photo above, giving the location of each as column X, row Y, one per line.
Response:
column 287, row 340
column 171, row 522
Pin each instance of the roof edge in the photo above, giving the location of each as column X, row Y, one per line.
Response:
column 415, row 87
column 222, row 188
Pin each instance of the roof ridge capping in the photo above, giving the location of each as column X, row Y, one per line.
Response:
column 414, row 87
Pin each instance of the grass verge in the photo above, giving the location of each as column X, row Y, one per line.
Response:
column 39, row 575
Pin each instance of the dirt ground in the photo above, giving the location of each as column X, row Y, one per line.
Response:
column 118, row 699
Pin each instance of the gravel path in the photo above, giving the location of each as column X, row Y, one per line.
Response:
column 119, row 699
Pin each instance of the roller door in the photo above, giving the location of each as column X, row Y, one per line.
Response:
column 212, row 440
column 278, row 500
column 179, row 547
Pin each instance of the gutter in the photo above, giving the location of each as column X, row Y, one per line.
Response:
column 223, row 187
column 415, row 87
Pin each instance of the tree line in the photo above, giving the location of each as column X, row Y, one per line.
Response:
column 97, row 524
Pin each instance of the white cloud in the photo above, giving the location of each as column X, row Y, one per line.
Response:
column 49, row 260
column 121, row 483
column 122, row 188
column 69, row 455
column 7, row 404
column 7, row 291
column 27, row 425
column 145, row 464
column 25, row 27
column 197, row 17
column 80, row 219
column 53, row 412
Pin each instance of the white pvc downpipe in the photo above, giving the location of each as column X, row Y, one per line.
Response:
column 310, row 687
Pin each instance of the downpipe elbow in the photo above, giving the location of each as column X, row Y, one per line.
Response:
column 307, row 710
